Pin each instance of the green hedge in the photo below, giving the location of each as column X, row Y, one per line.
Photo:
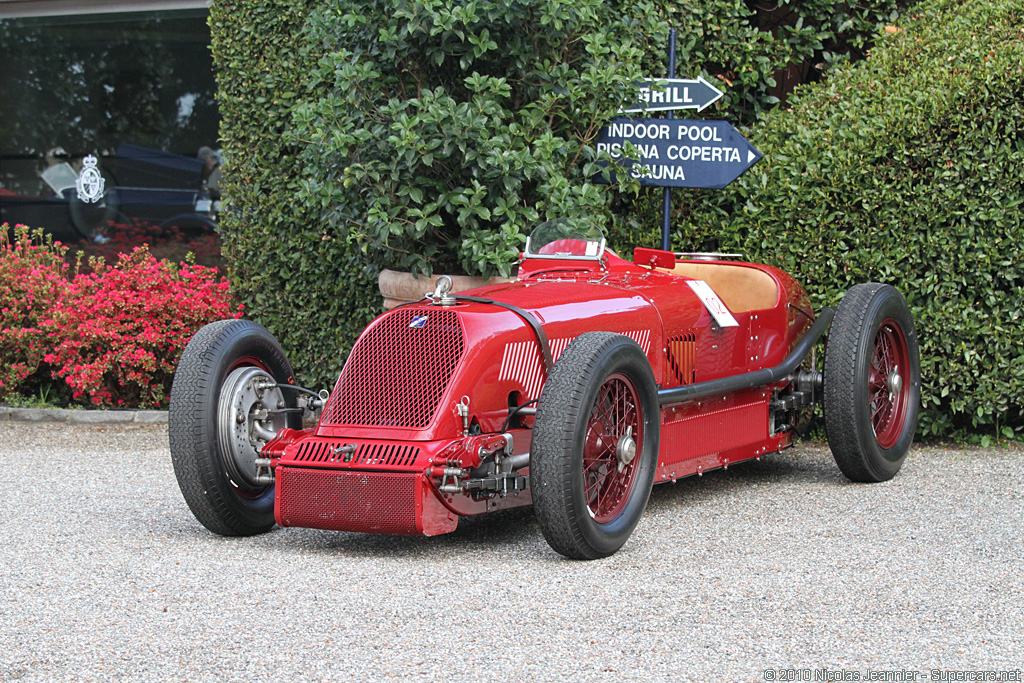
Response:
column 304, row 283
column 431, row 133
column 905, row 168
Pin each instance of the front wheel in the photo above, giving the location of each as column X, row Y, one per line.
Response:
column 595, row 446
column 224, row 406
column 872, row 391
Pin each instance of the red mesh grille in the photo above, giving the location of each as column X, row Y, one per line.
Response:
column 372, row 502
column 398, row 371
column 394, row 455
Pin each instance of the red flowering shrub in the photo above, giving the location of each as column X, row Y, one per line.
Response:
column 119, row 332
column 33, row 278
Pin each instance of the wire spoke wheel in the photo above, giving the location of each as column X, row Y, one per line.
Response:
column 614, row 422
column 889, row 394
column 872, row 383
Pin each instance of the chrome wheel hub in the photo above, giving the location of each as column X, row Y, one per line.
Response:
column 248, row 418
column 625, row 450
column 894, row 382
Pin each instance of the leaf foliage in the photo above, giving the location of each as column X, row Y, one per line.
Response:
column 905, row 169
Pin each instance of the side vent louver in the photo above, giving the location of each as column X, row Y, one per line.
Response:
column 682, row 356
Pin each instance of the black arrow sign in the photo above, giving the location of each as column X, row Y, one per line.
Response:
column 679, row 152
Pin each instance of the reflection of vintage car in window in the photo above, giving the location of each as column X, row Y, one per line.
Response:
column 573, row 388
column 138, row 184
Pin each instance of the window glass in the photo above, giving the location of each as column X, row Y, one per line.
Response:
column 108, row 131
column 572, row 238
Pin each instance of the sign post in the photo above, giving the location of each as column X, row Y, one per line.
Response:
column 677, row 153
column 666, row 200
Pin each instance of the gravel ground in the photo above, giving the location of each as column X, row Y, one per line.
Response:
column 774, row 565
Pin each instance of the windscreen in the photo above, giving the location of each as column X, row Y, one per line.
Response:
column 562, row 238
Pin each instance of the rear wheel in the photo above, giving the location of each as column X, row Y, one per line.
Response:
column 595, row 446
column 872, row 391
column 223, row 408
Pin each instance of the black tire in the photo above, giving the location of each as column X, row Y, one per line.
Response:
column 218, row 491
column 872, row 392
column 574, row 406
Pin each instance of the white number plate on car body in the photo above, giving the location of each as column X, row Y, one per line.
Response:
column 711, row 301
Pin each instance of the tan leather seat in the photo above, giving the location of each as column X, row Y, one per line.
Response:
column 740, row 288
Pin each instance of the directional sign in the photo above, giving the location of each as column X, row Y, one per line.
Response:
column 679, row 152
column 664, row 94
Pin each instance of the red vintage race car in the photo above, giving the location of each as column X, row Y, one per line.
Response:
column 574, row 388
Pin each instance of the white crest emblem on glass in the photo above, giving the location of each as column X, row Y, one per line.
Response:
column 90, row 183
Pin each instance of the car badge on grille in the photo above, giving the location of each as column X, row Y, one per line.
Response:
column 418, row 322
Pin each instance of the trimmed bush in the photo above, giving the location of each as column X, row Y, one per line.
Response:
column 430, row 134
column 905, row 169
column 306, row 283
